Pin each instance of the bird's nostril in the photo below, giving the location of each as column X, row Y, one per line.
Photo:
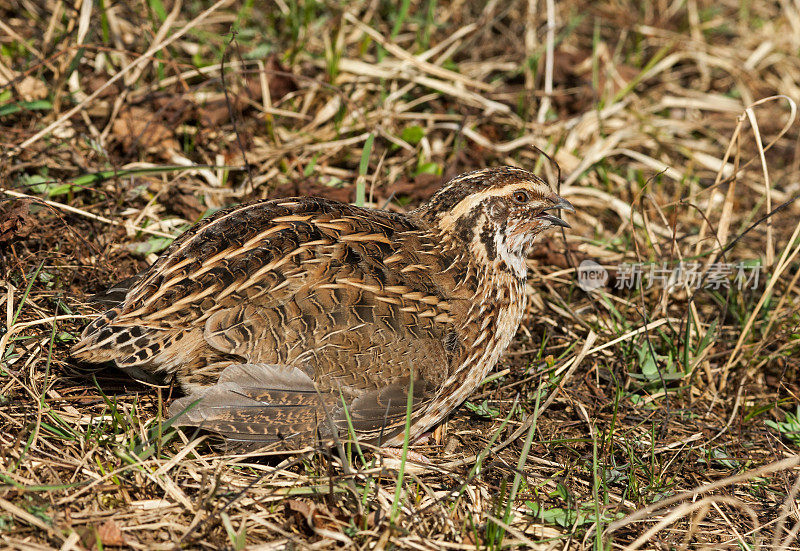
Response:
column 560, row 203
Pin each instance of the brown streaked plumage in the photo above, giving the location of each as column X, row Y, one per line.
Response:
column 280, row 314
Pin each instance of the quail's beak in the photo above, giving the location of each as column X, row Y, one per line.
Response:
column 558, row 203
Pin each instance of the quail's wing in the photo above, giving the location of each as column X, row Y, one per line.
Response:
column 255, row 405
column 260, row 252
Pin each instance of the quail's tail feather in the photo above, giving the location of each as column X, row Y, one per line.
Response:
column 99, row 341
column 253, row 405
column 252, row 419
column 125, row 345
column 96, row 343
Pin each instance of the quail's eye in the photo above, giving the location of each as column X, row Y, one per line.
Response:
column 521, row 197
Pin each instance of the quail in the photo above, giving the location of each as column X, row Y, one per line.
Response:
column 300, row 319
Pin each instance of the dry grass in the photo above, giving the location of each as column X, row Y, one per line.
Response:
column 655, row 418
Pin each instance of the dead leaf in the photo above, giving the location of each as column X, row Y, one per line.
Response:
column 181, row 200
column 16, row 221
column 65, row 131
column 281, row 82
column 418, row 188
column 302, row 509
column 140, row 127
column 31, row 89
column 213, row 115
column 110, row 534
column 94, row 81
column 373, row 518
column 316, row 515
column 415, row 462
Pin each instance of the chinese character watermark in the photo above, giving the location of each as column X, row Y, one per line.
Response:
column 691, row 275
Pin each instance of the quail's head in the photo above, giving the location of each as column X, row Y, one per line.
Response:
column 497, row 213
